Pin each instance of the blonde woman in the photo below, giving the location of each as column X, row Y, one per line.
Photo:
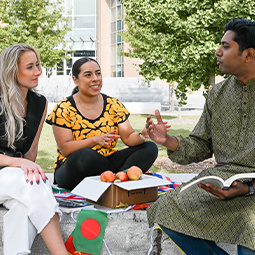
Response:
column 24, row 188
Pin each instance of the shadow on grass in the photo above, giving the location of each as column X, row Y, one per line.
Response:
column 46, row 160
column 43, row 153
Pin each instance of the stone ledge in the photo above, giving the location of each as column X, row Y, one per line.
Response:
column 142, row 107
column 126, row 234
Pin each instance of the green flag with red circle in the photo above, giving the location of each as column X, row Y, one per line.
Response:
column 88, row 235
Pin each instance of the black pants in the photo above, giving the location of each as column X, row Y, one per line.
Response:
column 87, row 162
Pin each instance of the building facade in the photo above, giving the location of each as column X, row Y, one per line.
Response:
column 96, row 32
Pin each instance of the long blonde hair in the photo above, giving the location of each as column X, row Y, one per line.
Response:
column 11, row 104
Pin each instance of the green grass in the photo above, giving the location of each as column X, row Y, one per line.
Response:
column 47, row 151
column 47, row 145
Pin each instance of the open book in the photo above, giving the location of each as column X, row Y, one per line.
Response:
column 217, row 181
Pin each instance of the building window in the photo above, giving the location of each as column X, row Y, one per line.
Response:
column 60, row 68
column 117, row 60
column 82, row 19
column 65, row 67
column 82, row 38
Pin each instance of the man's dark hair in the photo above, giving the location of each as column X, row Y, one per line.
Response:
column 244, row 32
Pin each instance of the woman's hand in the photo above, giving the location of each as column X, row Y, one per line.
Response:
column 30, row 168
column 106, row 139
column 237, row 188
column 68, row 145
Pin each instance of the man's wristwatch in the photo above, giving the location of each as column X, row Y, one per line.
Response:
column 251, row 189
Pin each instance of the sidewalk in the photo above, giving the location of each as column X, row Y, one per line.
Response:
column 191, row 112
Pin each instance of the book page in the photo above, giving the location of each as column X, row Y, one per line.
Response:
column 235, row 177
column 214, row 180
column 217, row 181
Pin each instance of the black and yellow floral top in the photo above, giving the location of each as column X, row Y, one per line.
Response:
column 65, row 114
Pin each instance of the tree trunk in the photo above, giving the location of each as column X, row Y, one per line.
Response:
column 211, row 81
column 171, row 97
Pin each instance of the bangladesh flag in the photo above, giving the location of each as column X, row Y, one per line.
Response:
column 88, row 235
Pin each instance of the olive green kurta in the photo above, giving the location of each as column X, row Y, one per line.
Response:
column 227, row 129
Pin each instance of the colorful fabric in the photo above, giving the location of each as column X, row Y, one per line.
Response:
column 166, row 188
column 66, row 115
column 141, row 206
column 88, row 235
column 226, row 128
column 66, row 199
column 68, row 195
column 70, row 247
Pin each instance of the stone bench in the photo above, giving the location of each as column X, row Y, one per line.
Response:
column 127, row 233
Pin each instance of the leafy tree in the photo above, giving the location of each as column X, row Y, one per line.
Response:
column 36, row 22
column 177, row 39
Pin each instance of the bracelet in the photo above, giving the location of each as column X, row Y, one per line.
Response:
column 142, row 137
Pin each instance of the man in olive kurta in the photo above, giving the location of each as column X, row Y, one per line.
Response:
column 199, row 219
